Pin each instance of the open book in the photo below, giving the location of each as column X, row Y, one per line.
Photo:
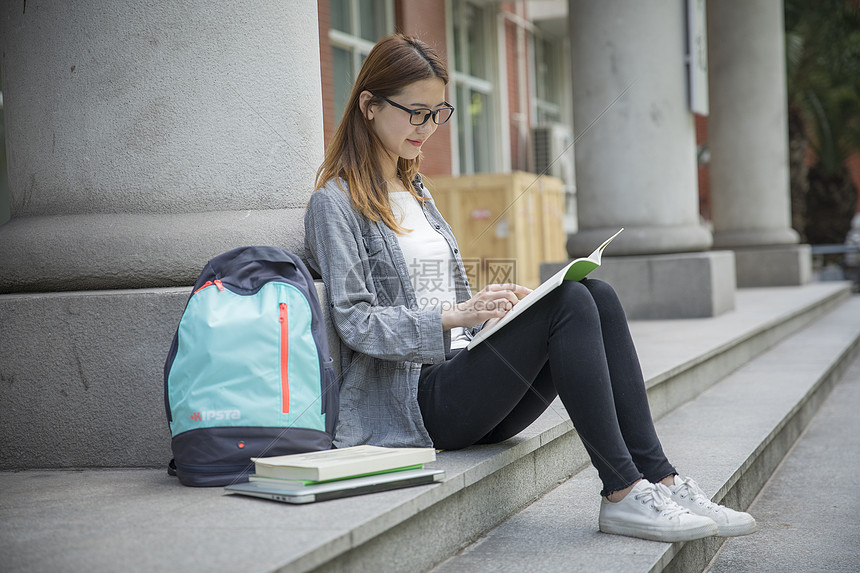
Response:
column 573, row 271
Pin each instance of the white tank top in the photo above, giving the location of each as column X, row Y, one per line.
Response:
column 428, row 259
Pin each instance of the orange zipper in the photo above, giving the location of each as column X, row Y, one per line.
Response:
column 285, row 353
column 217, row 283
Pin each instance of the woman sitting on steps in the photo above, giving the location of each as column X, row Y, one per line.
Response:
column 402, row 307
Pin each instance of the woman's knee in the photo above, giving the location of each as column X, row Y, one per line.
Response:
column 576, row 293
column 604, row 296
column 575, row 299
column 599, row 288
column 574, row 289
column 601, row 291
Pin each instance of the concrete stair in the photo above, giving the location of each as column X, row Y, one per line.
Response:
column 730, row 438
column 808, row 512
column 730, row 394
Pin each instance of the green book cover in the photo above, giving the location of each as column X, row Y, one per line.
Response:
column 573, row 271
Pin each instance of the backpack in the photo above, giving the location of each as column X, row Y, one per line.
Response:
column 249, row 372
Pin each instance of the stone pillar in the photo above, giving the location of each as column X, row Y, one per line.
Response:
column 636, row 149
column 636, row 154
column 748, row 141
column 144, row 139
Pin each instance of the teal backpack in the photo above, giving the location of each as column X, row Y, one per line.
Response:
column 249, row 372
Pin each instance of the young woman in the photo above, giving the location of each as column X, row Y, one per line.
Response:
column 402, row 307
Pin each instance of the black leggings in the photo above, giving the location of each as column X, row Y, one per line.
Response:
column 573, row 343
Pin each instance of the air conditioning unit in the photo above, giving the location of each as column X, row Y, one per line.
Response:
column 554, row 155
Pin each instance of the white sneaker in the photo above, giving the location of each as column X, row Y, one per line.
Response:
column 649, row 512
column 689, row 495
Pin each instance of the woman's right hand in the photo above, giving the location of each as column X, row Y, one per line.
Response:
column 493, row 301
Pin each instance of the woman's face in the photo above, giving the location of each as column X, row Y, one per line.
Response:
column 399, row 137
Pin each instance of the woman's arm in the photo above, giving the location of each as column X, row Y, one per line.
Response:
column 336, row 250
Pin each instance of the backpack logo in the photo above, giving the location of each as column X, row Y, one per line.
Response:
column 206, row 415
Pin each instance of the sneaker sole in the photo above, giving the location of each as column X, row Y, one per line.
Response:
column 738, row 529
column 655, row 534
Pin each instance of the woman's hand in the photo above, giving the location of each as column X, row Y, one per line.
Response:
column 493, row 301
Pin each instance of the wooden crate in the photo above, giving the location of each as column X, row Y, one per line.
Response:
column 506, row 224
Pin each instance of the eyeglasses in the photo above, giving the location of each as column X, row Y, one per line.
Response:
column 420, row 115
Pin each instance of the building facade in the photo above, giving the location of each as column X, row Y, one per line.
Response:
column 143, row 140
column 510, row 79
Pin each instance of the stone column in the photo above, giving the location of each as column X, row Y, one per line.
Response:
column 748, row 141
column 143, row 139
column 636, row 155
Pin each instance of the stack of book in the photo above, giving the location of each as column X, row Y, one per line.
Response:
column 331, row 474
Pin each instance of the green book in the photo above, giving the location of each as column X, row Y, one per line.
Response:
column 304, row 483
column 327, row 465
column 575, row 270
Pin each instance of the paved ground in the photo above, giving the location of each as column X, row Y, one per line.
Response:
column 809, row 511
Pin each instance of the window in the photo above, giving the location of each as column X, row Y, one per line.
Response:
column 471, row 36
column 355, row 26
column 549, row 75
column 553, row 135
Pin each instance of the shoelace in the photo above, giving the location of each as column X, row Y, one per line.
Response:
column 691, row 488
column 660, row 498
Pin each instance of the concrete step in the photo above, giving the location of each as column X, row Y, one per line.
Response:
column 142, row 519
column 82, row 377
column 96, row 399
column 809, row 512
column 730, row 439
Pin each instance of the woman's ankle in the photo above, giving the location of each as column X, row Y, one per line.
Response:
column 620, row 494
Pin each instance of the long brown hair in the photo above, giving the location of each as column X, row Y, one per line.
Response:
column 354, row 151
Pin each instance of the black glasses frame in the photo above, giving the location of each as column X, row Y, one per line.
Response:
column 434, row 113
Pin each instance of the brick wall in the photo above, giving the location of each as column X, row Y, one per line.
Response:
column 519, row 99
column 426, row 20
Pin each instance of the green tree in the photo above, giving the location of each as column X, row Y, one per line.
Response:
column 823, row 69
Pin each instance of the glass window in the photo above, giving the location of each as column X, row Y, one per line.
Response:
column 474, row 131
column 469, row 29
column 545, row 65
column 476, row 39
column 549, row 77
column 355, row 26
column 472, row 84
column 341, row 15
column 343, row 79
column 372, row 21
